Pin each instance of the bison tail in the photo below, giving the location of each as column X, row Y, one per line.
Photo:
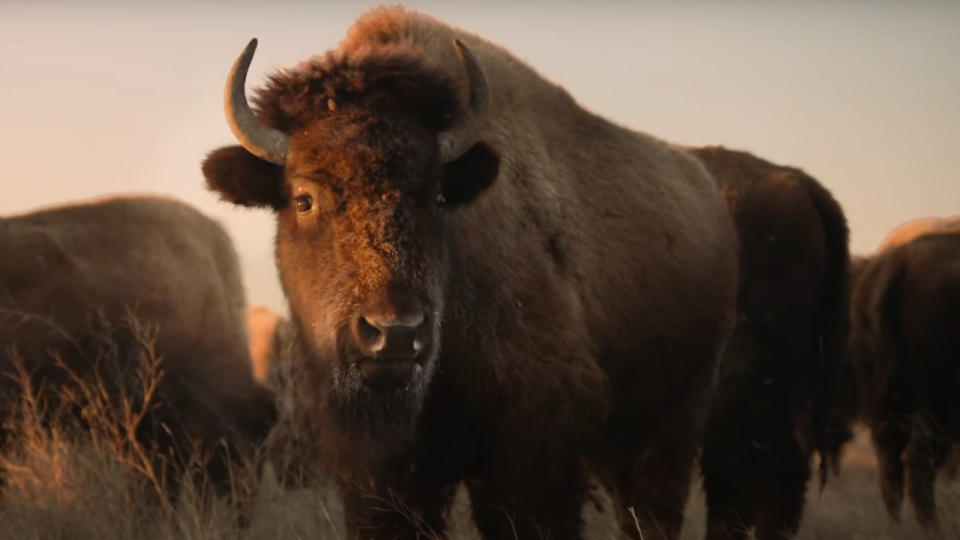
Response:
column 832, row 412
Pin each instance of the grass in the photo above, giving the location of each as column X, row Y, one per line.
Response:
column 97, row 479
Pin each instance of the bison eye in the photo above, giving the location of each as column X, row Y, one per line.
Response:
column 441, row 200
column 304, row 203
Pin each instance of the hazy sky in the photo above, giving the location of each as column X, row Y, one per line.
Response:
column 111, row 97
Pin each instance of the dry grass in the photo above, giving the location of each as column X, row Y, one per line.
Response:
column 97, row 478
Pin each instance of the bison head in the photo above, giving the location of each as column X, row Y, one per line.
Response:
column 362, row 157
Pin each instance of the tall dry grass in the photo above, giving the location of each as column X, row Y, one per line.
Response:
column 83, row 457
column 77, row 465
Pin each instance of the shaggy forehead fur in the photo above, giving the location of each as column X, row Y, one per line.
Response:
column 385, row 79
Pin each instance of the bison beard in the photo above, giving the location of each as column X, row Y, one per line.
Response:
column 364, row 410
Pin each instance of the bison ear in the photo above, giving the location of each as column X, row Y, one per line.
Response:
column 242, row 178
column 469, row 175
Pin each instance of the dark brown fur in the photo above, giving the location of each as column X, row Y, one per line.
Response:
column 69, row 278
column 905, row 314
column 772, row 407
column 578, row 284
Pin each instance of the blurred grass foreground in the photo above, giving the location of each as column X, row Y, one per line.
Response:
column 77, row 464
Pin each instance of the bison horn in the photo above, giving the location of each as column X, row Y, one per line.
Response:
column 264, row 142
column 457, row 140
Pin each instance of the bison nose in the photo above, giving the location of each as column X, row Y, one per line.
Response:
column 391, row 335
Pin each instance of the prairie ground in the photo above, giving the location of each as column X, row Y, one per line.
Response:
column 62, row 489
column 97, row 482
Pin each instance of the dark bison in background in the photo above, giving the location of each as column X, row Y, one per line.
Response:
column 773, row 405
column 75, row 279
column 491, row 284
column 918, row 227
column 905, row 342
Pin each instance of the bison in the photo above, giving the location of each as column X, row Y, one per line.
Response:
column 75, row 279
column 785, row 350
column 490, row 284
column 271, row 341
column 905, row 316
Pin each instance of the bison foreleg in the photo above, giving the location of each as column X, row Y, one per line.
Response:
column 544, row 502
column 780, row 500
column 926, row 453
column 890, row 439
column 730, row 510
column 653, row 492
column 396, row 512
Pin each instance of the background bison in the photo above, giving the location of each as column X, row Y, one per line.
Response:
column 771, row 409
column 272, row 340
column 109, row 280
column 490, row 284
column 918, row 227
column 905, row 315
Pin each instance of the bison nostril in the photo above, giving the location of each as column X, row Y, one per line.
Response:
column 392, row 336
column 417, row 320
column 370, row 334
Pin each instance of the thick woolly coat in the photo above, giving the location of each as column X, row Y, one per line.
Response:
column 588, row 290
column 775, row 399
column 73, row 277
column 905, row 312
